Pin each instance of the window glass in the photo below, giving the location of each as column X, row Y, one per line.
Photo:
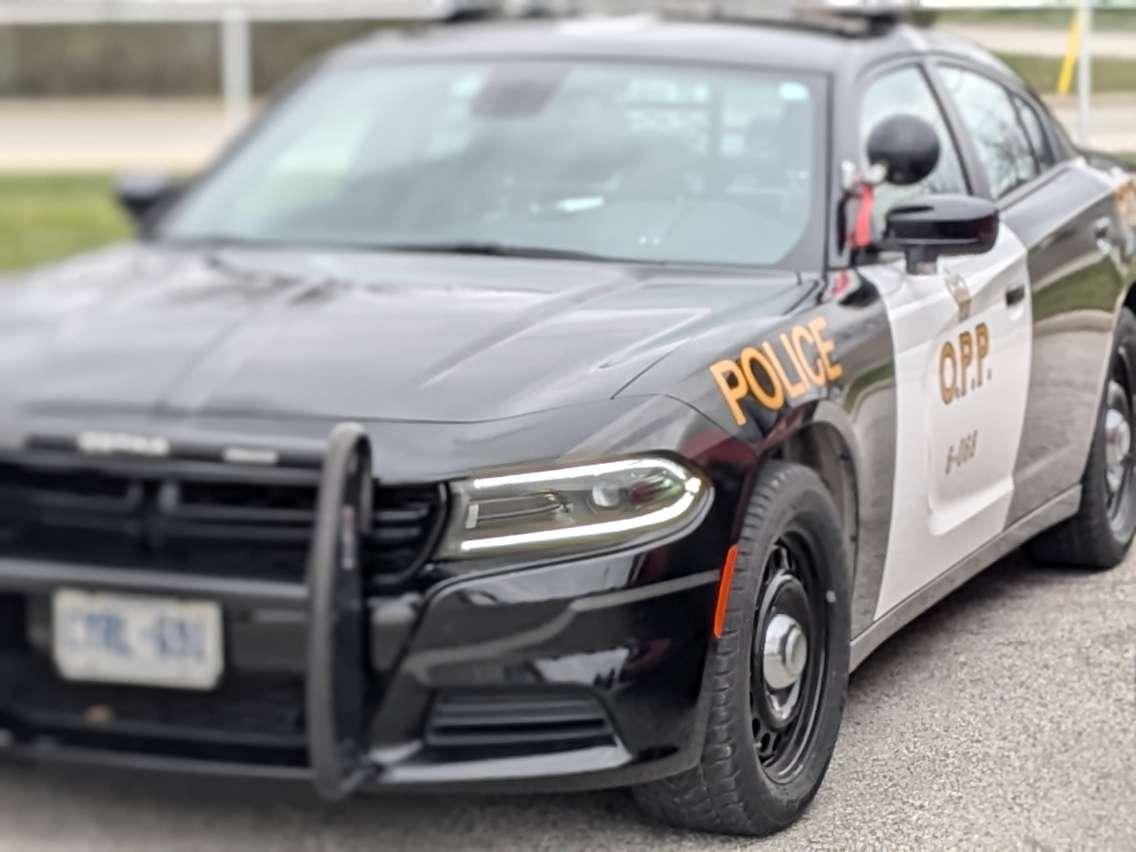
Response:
column 1031, row 121
column 993, row 122
column 630, row 161
column 908, row 92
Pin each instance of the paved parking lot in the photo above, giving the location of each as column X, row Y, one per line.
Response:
column 1003, row 719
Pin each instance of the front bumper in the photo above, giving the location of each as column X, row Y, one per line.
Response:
column 575, row 675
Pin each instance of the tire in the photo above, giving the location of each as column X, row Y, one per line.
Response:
column 1099, row 535
column 740, row 786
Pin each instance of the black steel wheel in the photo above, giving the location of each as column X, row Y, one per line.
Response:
column 1120, row 501
column 1099, row 535
column 788, row 658
column 778, row 676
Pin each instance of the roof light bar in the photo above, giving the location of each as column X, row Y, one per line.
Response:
column 841, row 13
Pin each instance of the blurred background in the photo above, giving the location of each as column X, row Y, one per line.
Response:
column 93, row 88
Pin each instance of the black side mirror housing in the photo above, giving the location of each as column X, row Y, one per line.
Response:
column 143, row 196
column 935, row 226
column 906, row 146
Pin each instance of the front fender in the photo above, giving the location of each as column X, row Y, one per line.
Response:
column 828, row 365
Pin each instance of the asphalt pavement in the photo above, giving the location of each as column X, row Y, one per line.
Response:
column 1003, row 719
column 75, row 136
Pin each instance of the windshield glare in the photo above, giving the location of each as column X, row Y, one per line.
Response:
column 648, row 163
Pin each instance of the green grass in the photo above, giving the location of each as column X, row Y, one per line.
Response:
column 46, row 217
column 1041, row 72
column 1097, row 287
column 1103, row 19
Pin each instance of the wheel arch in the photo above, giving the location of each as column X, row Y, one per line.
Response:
column 825, row 444
column 1130, row 298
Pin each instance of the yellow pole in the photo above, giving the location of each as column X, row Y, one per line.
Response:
column 1072, row 51
column 1085, row 71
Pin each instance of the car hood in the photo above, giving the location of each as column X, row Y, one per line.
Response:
column 358, row 335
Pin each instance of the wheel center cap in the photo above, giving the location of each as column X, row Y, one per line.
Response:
column 785, row 652
column 1117, row 446
column 1118, row 436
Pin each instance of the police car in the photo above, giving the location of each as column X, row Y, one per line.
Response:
column 559, row 406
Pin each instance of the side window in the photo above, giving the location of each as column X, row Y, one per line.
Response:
column 1035, row 130
column 993, row 122
column 907, row 92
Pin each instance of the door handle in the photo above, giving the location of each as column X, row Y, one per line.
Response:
column 1102, row 233
column 1015, row 295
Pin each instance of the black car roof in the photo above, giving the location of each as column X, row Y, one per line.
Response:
column 782, row 45
column 940, row 42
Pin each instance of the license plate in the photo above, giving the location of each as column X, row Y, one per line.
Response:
column 137, row 640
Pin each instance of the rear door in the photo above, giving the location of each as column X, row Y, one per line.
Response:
column 961, row 334
column 1065, row 212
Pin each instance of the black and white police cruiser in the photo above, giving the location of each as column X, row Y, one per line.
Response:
column 558, row 406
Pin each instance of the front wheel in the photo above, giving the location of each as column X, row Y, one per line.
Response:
column 779, row 673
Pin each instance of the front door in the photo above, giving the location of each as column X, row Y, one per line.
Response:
column 962, row 339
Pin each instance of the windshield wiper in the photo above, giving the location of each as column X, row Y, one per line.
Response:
column 218, row 241
column 466, row 247
column 491, row 249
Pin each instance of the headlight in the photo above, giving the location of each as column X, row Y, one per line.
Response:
column 578, row 509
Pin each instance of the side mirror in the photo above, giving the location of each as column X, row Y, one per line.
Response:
column 144, row 195
column 906, row 146
column 935, row 226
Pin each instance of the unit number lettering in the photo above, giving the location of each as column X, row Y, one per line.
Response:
column 962, row 452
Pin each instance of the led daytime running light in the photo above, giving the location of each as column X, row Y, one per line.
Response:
column 662, row 516
column 581, row 472
column 531, row 514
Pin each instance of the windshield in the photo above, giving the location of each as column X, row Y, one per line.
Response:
column 650, row 163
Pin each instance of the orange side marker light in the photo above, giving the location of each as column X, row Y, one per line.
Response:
column 724, row 591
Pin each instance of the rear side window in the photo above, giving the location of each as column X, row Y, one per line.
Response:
column 907, row 92
column 998, row 133
column 1035, row 130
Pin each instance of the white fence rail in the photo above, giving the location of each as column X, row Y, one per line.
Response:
column 154, row 11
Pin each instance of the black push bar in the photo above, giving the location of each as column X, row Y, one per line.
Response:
column 336, row 688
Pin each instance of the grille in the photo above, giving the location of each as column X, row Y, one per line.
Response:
column 517, row 720
column 196, row 517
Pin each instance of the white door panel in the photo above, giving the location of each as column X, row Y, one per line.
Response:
column 962, row 374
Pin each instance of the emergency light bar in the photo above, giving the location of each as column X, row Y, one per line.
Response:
column 848, row 15
column 844, row 14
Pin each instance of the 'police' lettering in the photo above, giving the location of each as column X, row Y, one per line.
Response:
column 779, row 370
